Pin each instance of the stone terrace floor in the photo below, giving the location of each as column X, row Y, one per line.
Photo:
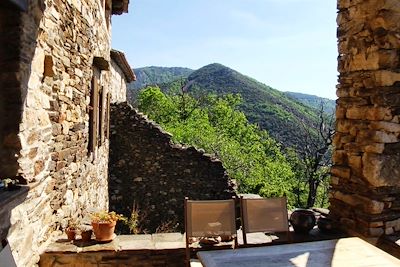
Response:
column 144, row 250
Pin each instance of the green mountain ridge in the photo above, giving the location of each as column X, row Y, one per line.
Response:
column 280, row 113
column 329, row 105
column 154, row 75
column 271, row 109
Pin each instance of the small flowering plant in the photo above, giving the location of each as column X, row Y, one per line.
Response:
column 107, row 217
column 8, row 183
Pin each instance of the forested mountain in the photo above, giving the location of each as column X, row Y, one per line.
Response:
column 153, row 76
column 221, row 110
column 271, row 109
column 314, row 101
column 156, row 75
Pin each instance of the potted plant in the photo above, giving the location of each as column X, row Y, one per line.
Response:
column 9, row 184
column 103, row 224
column 86, row 232
column 71, row 230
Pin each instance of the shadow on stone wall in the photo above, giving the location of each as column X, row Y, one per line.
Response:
column 17, row 47
column 147, row 170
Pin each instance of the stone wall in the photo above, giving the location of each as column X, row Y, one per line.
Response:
column 139, row 258
column 118, row 83
column 148, row 170
column 125, row 250
column 50, row 52
column 366, row 174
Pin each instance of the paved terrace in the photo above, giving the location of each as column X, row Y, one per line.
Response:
column 166, row 249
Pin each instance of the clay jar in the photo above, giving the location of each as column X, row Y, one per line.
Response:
column 302, row 220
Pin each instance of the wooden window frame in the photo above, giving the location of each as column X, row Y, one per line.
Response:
column 99, row 113
column 94, row 111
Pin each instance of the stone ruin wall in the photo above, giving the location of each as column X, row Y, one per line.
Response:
column 147, row 169
column 366, row 172
column 50, row 68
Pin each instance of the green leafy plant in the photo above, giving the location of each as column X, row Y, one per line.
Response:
column 72, row 225
column 133, row 221
column 85, row 227
column 107, row 217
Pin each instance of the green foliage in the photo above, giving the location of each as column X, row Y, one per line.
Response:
column 271, row 109
column 154, row 76
column 204, row 109
column 281, row 114
column 215, row 124
column 314, row 101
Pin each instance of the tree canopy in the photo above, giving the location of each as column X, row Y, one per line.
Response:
column 249, row 154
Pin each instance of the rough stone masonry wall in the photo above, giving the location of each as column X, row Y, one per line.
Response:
column 366, row 174
column 118, row 84
column 147, row 169
column 58, row 40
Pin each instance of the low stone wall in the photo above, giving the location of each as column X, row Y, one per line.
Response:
column 126, row 250
column 148, row 170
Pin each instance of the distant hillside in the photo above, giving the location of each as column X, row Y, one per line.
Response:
column 155, row 75
column 314, row 101
column 273, row 110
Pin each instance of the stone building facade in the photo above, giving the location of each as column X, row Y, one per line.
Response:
column 366, row 174
column 54, row 98
column 121, row 75
column 151, row 173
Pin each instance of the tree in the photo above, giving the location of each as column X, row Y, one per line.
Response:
column 249, row 154
column 313, row 165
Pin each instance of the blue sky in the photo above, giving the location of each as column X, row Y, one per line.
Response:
column 289, row 45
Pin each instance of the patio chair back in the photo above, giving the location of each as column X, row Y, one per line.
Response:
column 264, row 215
column 209, row 218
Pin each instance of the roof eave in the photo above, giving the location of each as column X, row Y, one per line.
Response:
column 119, row 7
column 119, row 58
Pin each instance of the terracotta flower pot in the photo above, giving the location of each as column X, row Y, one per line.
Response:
column 104, row 231
column 302, row 220
column 86, row 235
column 71, row 234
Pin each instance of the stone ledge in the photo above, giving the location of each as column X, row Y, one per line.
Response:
column 121, row 243
column 125, row 250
